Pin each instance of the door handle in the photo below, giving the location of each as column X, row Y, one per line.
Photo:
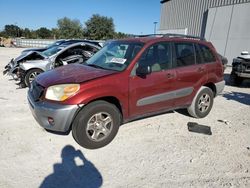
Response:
column 169, row 75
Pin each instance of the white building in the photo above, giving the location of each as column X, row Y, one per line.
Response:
column 226, row 23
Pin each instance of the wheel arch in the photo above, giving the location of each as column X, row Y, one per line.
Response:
column 110, row 99
column 34, row 68
column 212, row 87
column 23, row 77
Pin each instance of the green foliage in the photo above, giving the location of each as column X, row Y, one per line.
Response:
column 96, row 28
column 120, row 35
column 44, row 33
column 55, row 33
column 12, row 30
column 27, row 33
column 3, row 34
column 68, row 28
column 100, row 27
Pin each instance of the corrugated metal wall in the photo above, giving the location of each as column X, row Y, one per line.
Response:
column 228, row 28
column 32, row 42
column 190, row 14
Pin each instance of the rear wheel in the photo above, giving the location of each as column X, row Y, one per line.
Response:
column 31, row 75
column 96, row 124
column 202, row 103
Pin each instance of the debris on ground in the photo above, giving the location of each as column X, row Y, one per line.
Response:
column 224, row 121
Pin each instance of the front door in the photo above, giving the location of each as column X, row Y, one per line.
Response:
column 152, row 92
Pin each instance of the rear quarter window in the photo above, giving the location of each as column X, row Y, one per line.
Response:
column 207, row 54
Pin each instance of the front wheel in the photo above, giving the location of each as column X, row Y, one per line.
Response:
column 202, row 103
column 31, row 75
column 96, row 124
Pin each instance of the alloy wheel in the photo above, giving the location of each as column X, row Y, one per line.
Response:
column 99, row 126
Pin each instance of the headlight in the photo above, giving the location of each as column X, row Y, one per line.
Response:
column 61, row 92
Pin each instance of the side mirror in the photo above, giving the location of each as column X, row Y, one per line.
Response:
column 143, row 70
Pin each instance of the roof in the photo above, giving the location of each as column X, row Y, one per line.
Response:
column 152, row 40
column 163, row 1
column 139, row 39
column 161, row 37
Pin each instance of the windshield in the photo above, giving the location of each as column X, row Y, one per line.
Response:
column 53, row 50
column 115, row 55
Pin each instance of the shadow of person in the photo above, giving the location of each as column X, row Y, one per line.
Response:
column 68, row 174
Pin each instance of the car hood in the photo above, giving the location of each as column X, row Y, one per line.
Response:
column 28, row 55
column 34, row 49
column 74, row 73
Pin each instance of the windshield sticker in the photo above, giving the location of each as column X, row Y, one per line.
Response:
column 118, row 60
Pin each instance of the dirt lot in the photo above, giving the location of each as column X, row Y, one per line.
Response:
column 155, row 152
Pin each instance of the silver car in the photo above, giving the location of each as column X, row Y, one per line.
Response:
column 38, row 62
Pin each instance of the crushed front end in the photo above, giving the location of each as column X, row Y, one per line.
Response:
column 240, row 69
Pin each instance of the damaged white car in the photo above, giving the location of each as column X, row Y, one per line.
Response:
column 240, row 69
column 33, row 63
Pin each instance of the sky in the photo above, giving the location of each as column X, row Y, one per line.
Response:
column 129, row 16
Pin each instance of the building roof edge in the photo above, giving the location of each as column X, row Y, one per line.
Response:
column 164, row 1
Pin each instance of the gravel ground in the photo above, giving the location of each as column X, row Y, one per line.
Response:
column 158, row 151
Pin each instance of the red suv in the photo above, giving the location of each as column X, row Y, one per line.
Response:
column 126, row 80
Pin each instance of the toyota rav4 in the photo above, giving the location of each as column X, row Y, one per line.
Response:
column 126, row 80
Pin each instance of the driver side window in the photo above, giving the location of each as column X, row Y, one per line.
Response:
column 157, row 57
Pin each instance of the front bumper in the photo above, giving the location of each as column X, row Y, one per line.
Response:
column 61, row 114
column 11, row 69
column 243, row 74
column 8, row 67
column 219, row 86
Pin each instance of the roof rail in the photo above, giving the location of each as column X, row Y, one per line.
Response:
column 148, row 35
column 184, row 36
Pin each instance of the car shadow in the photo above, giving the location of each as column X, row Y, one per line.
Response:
column 183, row 112
column 244, row 84
column 68, row 174
column 243, row 98
column 146, row 116
column 227, row 78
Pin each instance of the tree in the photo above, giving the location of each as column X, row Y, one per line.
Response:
column 3, row 34
column 55, row 33
column 26, row 33
column 12, row 31
column 120, row 35
column 44, row 33
column 100, row 27
column 68, row 28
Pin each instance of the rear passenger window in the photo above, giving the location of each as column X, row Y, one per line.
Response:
column 198, row 56
column 185, row 54
column 206, row 54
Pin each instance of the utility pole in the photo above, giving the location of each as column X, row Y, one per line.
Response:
column 155, row 23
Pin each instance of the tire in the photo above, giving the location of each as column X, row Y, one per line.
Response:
column 31, row 75
column 93, row 122
column 234, row 79
column 202, row 103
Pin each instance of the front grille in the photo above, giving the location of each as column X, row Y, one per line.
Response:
column 36, row 91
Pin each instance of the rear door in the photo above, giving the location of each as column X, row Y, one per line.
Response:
column 190, row 74
column 208, row 60
column 152, row 92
